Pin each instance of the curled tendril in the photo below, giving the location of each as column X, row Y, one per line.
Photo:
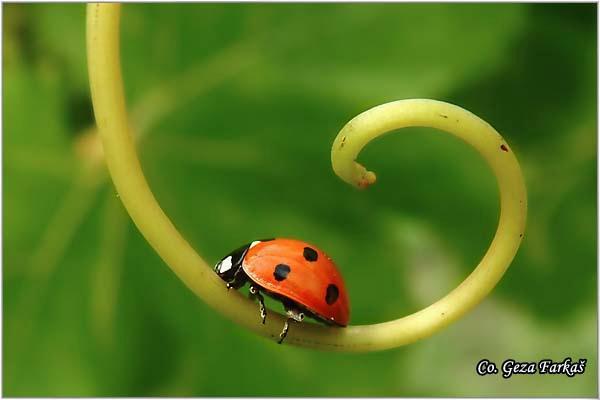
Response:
column 126, row 172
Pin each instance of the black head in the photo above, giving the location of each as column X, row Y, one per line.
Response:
column 229, row 266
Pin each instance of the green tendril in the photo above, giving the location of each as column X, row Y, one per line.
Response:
column 126, row 172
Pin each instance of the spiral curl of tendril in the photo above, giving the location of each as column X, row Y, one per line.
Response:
column 111, row 117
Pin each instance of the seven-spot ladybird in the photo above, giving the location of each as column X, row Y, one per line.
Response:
column 296, row 273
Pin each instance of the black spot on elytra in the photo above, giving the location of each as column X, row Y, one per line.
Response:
column 310, row 254
column 281, row 272
column 332, row 294
column 503, row 147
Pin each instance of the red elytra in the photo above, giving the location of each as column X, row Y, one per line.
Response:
column 294, row 272
column 312, row 281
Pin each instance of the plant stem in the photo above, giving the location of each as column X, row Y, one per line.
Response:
column 513, row 202
column 125, row 170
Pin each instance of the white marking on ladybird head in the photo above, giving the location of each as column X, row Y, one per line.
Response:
column 224, row 265
column 254, row 244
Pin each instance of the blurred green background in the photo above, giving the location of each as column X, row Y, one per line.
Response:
column 235, row 108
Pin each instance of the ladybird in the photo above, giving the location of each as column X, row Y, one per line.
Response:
column 302, row 277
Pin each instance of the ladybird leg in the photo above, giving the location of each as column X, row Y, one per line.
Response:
column 261, row 302
column 284, row 332
column 293, row 315
column 296, row 315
